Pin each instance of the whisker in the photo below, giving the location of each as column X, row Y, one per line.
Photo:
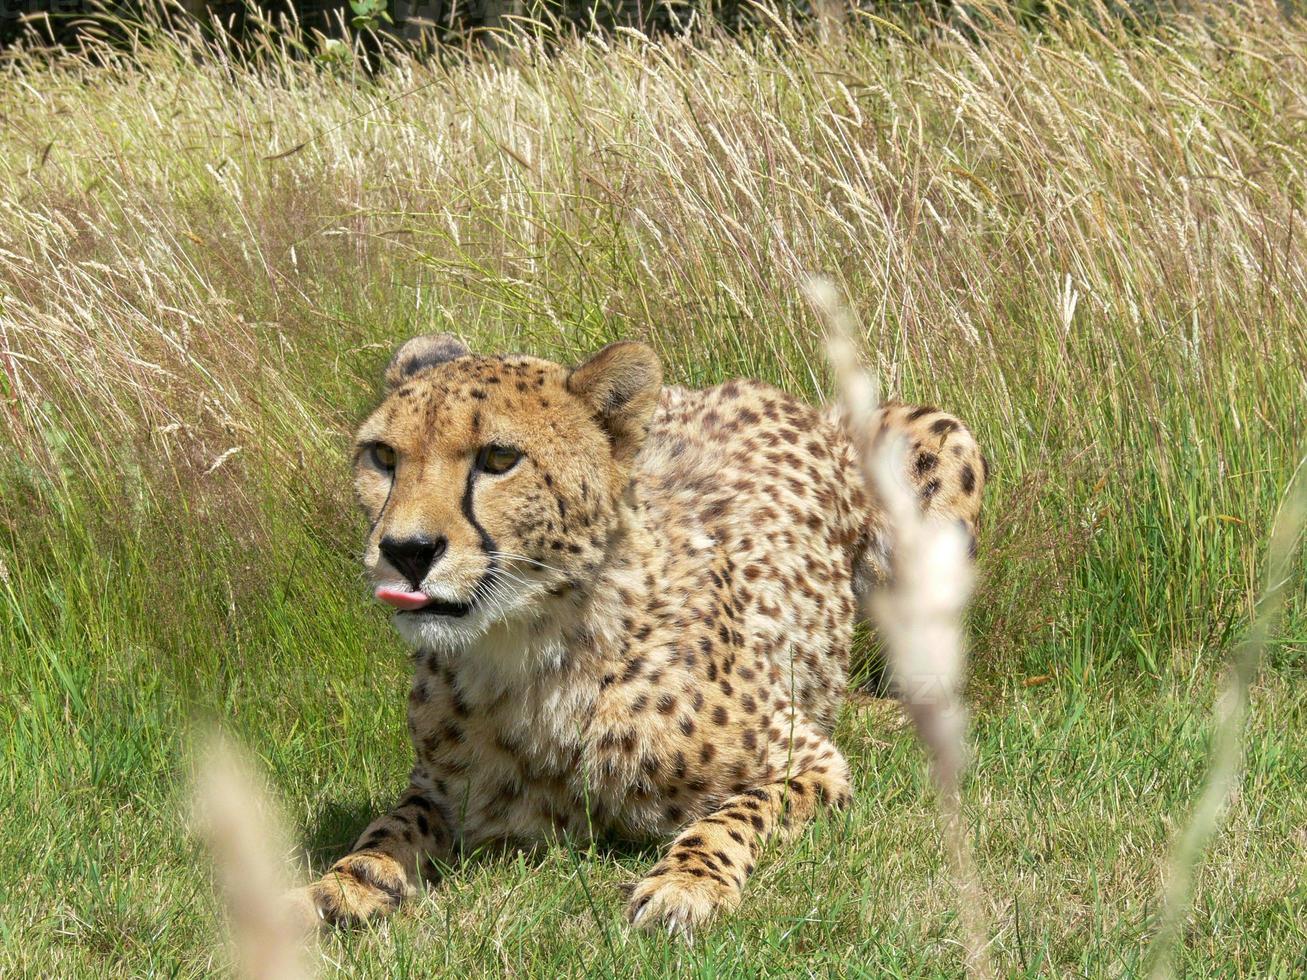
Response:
column 508, row 556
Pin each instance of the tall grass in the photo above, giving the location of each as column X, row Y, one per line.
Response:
column 1086, row 241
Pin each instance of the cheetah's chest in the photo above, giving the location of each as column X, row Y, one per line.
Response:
column 506, row 767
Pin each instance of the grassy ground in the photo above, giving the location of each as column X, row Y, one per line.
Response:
column 1089, row 244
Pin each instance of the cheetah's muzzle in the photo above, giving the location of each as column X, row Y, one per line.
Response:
column 438, row 607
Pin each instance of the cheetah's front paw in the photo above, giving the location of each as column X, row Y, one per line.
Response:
column 358, row 888
column 680, row 901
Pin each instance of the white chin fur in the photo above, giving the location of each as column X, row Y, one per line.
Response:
column 442, row 632
column 509, row 644
column 458, row 633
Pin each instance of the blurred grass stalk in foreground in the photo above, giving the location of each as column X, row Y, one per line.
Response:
column 919, row 614
column 246, row 836
column 1230, row 722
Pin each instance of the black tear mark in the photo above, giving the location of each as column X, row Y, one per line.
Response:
column 487, row 542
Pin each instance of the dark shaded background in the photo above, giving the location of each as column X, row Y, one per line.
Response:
column 61, row 21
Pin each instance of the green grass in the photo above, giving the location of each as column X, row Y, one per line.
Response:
column 171, row 289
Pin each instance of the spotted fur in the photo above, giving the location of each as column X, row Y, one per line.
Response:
column 662, row 597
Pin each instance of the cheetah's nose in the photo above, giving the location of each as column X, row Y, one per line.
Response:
column 413, row 557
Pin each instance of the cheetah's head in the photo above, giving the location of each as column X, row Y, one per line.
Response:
column 492, row 483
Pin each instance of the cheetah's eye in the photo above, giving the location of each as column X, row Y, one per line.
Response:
column 383, row 457
column 497, row 459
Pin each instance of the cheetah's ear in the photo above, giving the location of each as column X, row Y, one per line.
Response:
column 422, row 352
column 620, row 384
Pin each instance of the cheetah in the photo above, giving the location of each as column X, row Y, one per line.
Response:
column 629, row 607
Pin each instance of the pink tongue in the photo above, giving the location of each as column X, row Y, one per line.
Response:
column 403, row 600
